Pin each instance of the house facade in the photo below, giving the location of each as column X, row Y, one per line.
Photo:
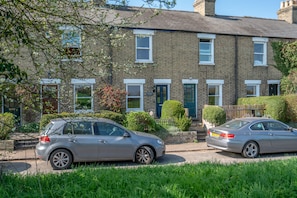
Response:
column 195, row 57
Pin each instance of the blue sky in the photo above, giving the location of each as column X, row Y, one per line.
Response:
column 252, row 8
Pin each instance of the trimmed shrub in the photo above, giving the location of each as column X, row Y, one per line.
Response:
column 172, row 109
column 275, row 106
column 214, row 114
column 291, row 101
column 117, row 117
column 7, row 123
column 140, row 121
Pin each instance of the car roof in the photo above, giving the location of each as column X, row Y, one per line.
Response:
column 253, row 119
column 78, row 119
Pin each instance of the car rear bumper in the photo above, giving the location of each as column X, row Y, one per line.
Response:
column 224, row 144
column 40, row 151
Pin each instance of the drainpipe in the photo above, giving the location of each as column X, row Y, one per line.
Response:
column 236, row 69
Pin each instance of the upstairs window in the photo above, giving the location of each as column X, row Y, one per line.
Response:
column 260, row 51
column 206, row 48
column 143, row 46
column 71, row 42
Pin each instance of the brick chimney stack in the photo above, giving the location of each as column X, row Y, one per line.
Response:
column 288, row 11
column 205, row 7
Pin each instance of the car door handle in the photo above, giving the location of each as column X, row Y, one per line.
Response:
column 271, row 134
column 72, row 140
column 103, row 141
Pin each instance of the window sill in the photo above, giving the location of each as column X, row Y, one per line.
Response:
column 207, row 64
column 260, row 65
column 72, row 59
column 150, row 62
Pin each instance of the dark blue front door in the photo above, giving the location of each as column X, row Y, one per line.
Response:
column 190, row 99
column 161, row 96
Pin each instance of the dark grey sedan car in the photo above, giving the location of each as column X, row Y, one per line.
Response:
column 68, row 140
column 252, row 136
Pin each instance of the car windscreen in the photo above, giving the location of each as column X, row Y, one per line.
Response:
column 234, row 124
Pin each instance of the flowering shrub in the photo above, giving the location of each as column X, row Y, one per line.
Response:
column 111, row 98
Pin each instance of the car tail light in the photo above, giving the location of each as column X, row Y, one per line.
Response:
column 227, row 135
column 208, row 132
column 44, row 139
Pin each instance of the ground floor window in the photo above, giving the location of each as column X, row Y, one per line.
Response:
column 252, row 88
column 134, row 97
column 83, row 95
column 215, row 92
column 50, row 95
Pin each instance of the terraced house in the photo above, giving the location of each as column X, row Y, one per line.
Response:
column 195, row 57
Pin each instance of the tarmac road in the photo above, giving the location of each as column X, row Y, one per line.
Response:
column 35, row 166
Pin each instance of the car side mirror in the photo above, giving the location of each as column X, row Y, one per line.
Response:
column 126, row 135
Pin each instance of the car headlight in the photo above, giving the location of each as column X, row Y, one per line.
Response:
column 160, row 142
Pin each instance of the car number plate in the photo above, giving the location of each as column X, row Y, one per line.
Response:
column 212, row 134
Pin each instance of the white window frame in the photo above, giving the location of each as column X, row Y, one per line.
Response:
column 254, row 83
column 218, row 83
column 261, row 41
column 83, row 82
column 211, row 38
column 144, row 33
column 135, row 82
column 69, row 28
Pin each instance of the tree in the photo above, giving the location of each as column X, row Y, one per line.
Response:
column 32, row 31
column 285, row 56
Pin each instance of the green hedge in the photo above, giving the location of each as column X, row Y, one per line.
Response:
column 214, row 114
column 291, row 101
column 7, row 124
column 173, row 109
column 117, row 117
column 140, row 121
column 275, row 106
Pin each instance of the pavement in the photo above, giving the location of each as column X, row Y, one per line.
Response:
column 29, row 154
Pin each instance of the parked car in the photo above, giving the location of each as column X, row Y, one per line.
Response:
column 253, row 136
column 68, row 140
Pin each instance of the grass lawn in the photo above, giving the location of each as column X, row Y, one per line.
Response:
column 262, row 179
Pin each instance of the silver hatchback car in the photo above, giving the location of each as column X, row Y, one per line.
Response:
column 68, row 140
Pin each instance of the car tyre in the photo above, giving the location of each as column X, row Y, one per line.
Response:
column 61, row 159
column 144, row 155
column 250, row 150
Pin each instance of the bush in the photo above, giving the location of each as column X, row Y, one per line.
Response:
column 30, row 127
column 172, row 109
column 117, row 117
column 183, row 123
column 275, row 106
column 214, row 114
column 140, row 121
column 7, row 123
column 291, row 101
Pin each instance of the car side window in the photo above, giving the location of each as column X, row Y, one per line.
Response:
column 67, row 128
column 108, row 129
column 258, row 126
column 275, row 126
column 82, row 128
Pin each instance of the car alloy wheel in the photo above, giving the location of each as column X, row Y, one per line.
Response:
column 144, row 155
column 250, row 150
column 61, row 159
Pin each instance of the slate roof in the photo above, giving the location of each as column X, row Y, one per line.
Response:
column 173, row 20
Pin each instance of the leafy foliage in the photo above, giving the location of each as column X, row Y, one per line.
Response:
column 111, row 98
column 7, row 123
column 286, row 62
column 173, row 109
column 140, row 121
column 214, row 114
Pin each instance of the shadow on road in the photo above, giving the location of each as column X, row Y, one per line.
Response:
column 14, row 167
